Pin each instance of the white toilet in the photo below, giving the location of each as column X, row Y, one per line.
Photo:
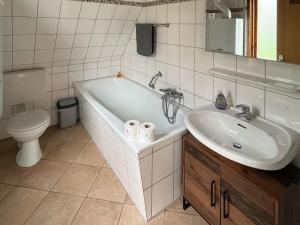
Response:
column 26, row 127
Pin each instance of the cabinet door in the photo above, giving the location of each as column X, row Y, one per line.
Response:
column 202, row 184
column 243, row 203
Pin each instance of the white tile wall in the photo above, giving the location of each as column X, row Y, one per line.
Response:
column 185, row 65
column 58, row 34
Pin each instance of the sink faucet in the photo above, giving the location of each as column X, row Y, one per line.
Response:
column 154, row 80
column 246, row 112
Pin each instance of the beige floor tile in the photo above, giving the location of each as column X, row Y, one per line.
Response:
column 131, row 216
column 90, row 156
column 56, row 209
column 174, row 218
column 4, row 189
column 98, row 212
column 19, row 204
column 176, row 206
column 10, row 172
column 52, row 138
column 79, row 134
column 77, row 180
column 44, row 175
column 106, row 165
column 67, row 152
column 128, row 200
column 108, row 187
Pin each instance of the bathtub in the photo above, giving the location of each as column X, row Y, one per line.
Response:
column 150, row 172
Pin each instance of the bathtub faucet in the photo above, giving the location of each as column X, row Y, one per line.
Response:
column 154, row 80
column 171, row 102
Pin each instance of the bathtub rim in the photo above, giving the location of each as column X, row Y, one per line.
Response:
column 118, row 125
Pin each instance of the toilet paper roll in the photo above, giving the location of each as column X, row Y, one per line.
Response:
column 147, row 132
column 132, row 129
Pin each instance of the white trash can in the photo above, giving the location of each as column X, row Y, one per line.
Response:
column 67, row 110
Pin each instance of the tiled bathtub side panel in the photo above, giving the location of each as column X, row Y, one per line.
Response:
column 122, row 161
column 162, row 175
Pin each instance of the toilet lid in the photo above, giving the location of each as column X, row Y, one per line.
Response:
column 27, row 121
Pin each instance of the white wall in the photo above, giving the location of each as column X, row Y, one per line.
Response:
column 180, row 56
column 73, row 40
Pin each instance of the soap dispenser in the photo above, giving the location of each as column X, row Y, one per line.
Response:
column 220, row 102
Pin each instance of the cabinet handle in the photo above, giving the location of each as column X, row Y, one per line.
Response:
column 225, row 204
column 213, row 193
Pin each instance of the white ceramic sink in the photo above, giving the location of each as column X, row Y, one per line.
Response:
column 258, row 143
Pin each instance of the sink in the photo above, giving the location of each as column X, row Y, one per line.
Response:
column 258, row 143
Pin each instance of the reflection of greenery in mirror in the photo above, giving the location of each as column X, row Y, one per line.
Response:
column 267, row 29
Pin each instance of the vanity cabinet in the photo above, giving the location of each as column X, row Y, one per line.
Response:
column 227, row 193
column 244, row 203
column 202, row 184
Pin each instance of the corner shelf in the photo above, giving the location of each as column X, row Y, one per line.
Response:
column 275, row 85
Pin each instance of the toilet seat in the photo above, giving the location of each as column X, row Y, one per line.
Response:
column 28, row 121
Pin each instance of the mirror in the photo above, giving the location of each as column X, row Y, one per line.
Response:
column 264, row 29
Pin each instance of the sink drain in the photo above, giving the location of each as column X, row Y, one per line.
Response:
column 237, row 145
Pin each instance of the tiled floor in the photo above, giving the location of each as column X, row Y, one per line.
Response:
column 71, row 185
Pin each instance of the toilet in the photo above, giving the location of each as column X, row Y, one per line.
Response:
column 26, row 127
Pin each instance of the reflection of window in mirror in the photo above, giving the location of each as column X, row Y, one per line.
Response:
column 267, row 29
column 262, row 29
column 273, row 30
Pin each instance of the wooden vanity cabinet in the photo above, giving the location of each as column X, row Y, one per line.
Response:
column 244, row 203
column 227, row 193
column 202, row 184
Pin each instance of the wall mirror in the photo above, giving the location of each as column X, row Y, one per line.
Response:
column 264, row 29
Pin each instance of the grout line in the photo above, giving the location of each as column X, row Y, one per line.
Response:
column 96, row 177
column 13, row 187
column 35, row 40
column 79, row 208
column 12, row 35
column 35, row 209
column 54, row 17
column 120, row 203
column 95, row 21
column 106, row 34
column 121, row 30
column 195, row 37
column 36, row 27
column 84, row 199
column 72, row 48
column 52, row 63
column 121, row 214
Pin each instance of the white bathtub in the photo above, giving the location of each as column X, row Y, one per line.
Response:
column 150, row 172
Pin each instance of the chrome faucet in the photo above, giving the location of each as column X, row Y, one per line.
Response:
column 171, row 102
column 154, row 80
column 246, row 112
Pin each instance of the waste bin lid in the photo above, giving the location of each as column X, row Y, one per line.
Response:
column 67, row 103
